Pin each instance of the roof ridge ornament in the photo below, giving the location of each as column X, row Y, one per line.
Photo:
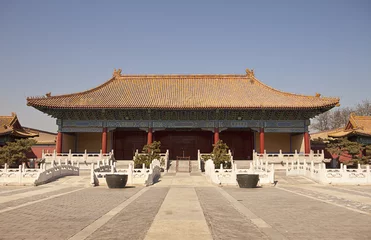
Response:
column 250, row 73
column 117, row 73
column 318, row 95
column 48, row 94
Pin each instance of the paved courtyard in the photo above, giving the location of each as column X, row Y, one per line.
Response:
column 186, row 206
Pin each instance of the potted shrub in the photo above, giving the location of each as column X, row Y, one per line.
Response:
column 149, row 153
column 219, row 155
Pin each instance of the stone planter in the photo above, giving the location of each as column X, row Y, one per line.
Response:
column 116, row 180
column 247, row 180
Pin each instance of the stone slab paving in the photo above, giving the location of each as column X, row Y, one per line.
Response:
column 354, row 190
column 224, row 221
column 299, row 217
column 364, row 189
column 6, row 191
column 134, row 221
column 32, row 198
column 61, row 217
column 361, row 204
column 186, row 206
column 180, row 216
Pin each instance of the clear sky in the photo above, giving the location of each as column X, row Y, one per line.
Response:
column 69, row 46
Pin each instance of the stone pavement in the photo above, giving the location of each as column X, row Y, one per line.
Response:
column 186, row 206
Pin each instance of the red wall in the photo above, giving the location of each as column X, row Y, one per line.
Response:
column 37, row 150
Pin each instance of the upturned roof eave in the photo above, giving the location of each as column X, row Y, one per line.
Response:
column 183, row 108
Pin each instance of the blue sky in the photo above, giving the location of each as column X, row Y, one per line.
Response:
column 69, row 46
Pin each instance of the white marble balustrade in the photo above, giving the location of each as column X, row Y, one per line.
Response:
column 319, row 172
column 229, row 176
column 84, row 159
column 35, row 176
column 283, row 157
column 146, row 176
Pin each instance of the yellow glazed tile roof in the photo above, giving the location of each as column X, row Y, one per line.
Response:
column 10, row 125
column 183, row 92
column 357, row 125
column 325, row 134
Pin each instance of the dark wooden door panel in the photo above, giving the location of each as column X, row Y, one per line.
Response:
column 127, row 142
column 187, row 142
column 241, row 143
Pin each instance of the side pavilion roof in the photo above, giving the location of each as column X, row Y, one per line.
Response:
column 183, row 92
column 9, row 125
column 357, row 125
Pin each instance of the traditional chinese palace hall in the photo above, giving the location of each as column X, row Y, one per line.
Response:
column 185, row 113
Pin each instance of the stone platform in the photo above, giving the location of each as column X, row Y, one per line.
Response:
column 186, row 206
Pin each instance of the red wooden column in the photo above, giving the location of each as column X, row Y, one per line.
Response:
column 149, row 136
column 306, row 143
column 261, row 140
column 104, row 140
column 216, row 135
column 59, row 142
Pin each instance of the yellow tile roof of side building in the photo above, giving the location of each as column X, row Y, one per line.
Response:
column 10, row 125
column 183, row 92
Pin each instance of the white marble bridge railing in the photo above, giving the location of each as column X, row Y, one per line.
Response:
column 319, row 173
column 229, row 176
column 283, row 157
column 84, row 159
column 146, row 176
column 35, row 176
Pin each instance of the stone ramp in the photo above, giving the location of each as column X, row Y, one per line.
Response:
column 281, row 178
column 83, row 180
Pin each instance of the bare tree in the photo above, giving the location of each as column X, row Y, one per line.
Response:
column 340, row 117
column 363, row 108
column 322, row 121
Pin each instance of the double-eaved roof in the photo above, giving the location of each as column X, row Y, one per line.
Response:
column 9, row 125
column 183, row 92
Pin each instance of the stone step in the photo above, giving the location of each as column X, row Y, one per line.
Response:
column 183, row 166
column 172, row 166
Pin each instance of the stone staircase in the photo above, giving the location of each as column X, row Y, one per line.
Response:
column 194, row 166
column 183, row 166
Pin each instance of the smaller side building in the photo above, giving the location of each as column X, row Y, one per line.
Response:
column 11, row 129
column 45, row 142
column 358, row 129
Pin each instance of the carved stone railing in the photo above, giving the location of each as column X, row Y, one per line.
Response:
column 84, row 159
column 146, row 176
column 283, row 157
column 38, row 176
column 228, row 176
column 319, row 173
column 56, row 172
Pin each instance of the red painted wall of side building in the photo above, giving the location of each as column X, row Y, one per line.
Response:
column 37, row 150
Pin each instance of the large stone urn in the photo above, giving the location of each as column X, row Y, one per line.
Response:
column 247, row 180
column 116, row 180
